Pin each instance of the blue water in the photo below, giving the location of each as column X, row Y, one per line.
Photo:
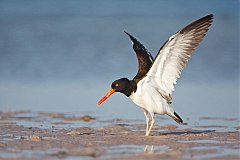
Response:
column 61, row 55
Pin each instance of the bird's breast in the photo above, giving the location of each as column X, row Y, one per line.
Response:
column 149, row 98
column 137, row 99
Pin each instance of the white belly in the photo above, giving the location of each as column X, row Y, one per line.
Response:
column 148, row 98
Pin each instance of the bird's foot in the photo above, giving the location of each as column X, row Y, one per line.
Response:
column 147, row 133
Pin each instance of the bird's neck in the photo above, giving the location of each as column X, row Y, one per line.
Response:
column 132, row 87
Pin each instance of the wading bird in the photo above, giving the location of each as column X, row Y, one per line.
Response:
column 152, row 87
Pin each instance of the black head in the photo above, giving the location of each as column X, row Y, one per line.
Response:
column 121, row 85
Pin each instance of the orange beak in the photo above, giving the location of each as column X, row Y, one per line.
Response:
column 106, row 96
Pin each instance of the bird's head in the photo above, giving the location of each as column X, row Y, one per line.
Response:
column 119, row 85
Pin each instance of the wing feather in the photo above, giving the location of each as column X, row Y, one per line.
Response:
column 144, row 57
column 175, row 53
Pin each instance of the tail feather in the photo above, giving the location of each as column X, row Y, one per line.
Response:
column 177, row 118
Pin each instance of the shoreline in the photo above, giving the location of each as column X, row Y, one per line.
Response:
column 114, row 139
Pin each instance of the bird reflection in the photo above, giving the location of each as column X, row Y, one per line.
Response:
column 150, row 149
column 146, row 149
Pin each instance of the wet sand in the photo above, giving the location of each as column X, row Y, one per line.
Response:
column 27, row 135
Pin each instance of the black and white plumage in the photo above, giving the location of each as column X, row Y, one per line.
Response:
column 152, row 87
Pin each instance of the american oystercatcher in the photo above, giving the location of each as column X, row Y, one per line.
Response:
column 152, row 87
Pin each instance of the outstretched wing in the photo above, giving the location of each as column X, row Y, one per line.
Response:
column 175, row 53
column 145, row 59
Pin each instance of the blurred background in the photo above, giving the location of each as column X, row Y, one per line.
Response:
column 62, row 56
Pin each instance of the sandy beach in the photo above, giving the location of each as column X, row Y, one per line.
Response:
column 46, row 135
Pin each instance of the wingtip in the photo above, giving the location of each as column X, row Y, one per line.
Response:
column 203, row 22
column 131, row 37
column 128, row 34
column 210, row 16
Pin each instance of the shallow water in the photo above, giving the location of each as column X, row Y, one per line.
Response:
column 112, row 138
column 191, row 102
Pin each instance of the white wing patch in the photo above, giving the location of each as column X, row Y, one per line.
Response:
column 174, row 55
